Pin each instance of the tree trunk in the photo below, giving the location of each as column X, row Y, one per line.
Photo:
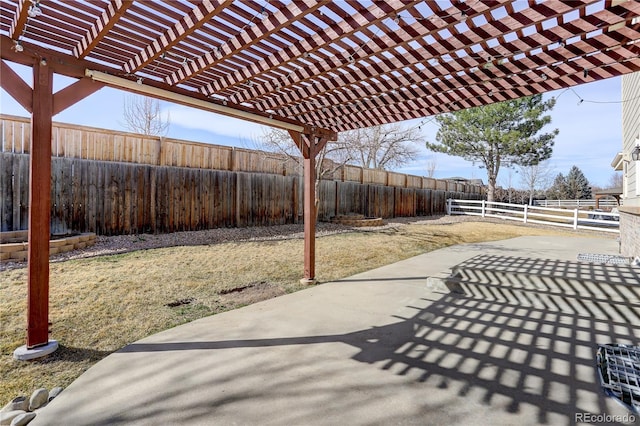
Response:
column 491, row 187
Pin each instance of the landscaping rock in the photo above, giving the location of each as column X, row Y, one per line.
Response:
column 54, row 392
column 39, row 397
column 19, row 403
column 6, row 417
column 23, row 419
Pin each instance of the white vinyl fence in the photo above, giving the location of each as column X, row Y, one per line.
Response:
column 572, row 204
column 575, row 219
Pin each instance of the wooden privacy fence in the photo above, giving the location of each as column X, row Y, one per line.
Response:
column 88, row 143
column 123, row 198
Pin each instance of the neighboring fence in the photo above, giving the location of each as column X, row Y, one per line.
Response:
column 575, row 219
column 87, row 143
column 123, row 198
column 580, row 204
column 119, row 198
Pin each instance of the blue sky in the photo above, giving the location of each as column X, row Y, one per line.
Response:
column 590, row 132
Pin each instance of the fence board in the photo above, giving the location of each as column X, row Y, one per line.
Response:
column 374, row 176
column 121, row 198
column 7, row 194
column 327, row 194
column 396, row 179
column 414, row 182
column 89, row 143
column 14, row 196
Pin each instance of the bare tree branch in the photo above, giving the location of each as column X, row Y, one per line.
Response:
column 432, row 165
column 615, row 181
column 537, row 176
column 381, row 147
column 142, row 115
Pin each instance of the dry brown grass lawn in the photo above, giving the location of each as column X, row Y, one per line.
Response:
column 99, row 305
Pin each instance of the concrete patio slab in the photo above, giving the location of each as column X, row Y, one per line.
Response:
column 376, row 348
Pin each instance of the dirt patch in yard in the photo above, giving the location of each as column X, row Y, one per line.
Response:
column 251, row 293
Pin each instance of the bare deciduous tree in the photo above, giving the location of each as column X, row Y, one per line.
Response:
column 509, row 183
column 328, row 161
column 537, row 176
column 380, row 147
column 432, row 165
column 616, row 181
column 142, row 115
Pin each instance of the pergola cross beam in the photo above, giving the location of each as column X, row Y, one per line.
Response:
column 373, row 47
column 355, row 94
column 186, row 26
column 301, row 49
column 105, row 23
column 20, row 19
column 268, row 25
column 16, row 87
column 364, row 75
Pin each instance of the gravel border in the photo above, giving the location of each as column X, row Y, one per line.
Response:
column 127, row 243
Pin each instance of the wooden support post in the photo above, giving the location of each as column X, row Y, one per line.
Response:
column 310, row 214
column 39, row 206
column 310, row 145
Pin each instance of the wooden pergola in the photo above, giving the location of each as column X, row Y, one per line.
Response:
column 311, row 67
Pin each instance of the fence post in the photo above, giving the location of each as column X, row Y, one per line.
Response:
column 483, row 208
column 575, row 219
column 526, row 210
column 448, row 206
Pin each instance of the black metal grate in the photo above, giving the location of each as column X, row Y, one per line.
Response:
column 619, row 371
column 604, row 258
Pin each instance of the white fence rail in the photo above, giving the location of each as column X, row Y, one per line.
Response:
column 575, row 219
column 604, row 203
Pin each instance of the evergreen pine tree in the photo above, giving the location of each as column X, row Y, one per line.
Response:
column 559, row 190
column 578, row 187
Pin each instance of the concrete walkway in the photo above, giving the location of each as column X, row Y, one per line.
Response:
column 376, row 348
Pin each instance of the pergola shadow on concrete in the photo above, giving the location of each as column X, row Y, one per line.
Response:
column 311, row 67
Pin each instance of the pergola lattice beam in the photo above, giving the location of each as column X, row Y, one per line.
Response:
column 305, row 47
column 105, row 23
column 558, row 54
column 377, row 114
column 190, row 23
column 416, row 56
column 269, row 25
column 367, row 55
column 372, row 48
column 510, row 74
column 294, row 103
column 565, row 75
column 599, row 20
column 20, row 19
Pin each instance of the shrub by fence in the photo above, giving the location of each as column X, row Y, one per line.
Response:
column 123, row 198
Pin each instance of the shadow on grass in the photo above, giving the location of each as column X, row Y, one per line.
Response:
column 71, row 354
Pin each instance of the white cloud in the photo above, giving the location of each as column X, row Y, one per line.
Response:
column 192, row 118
